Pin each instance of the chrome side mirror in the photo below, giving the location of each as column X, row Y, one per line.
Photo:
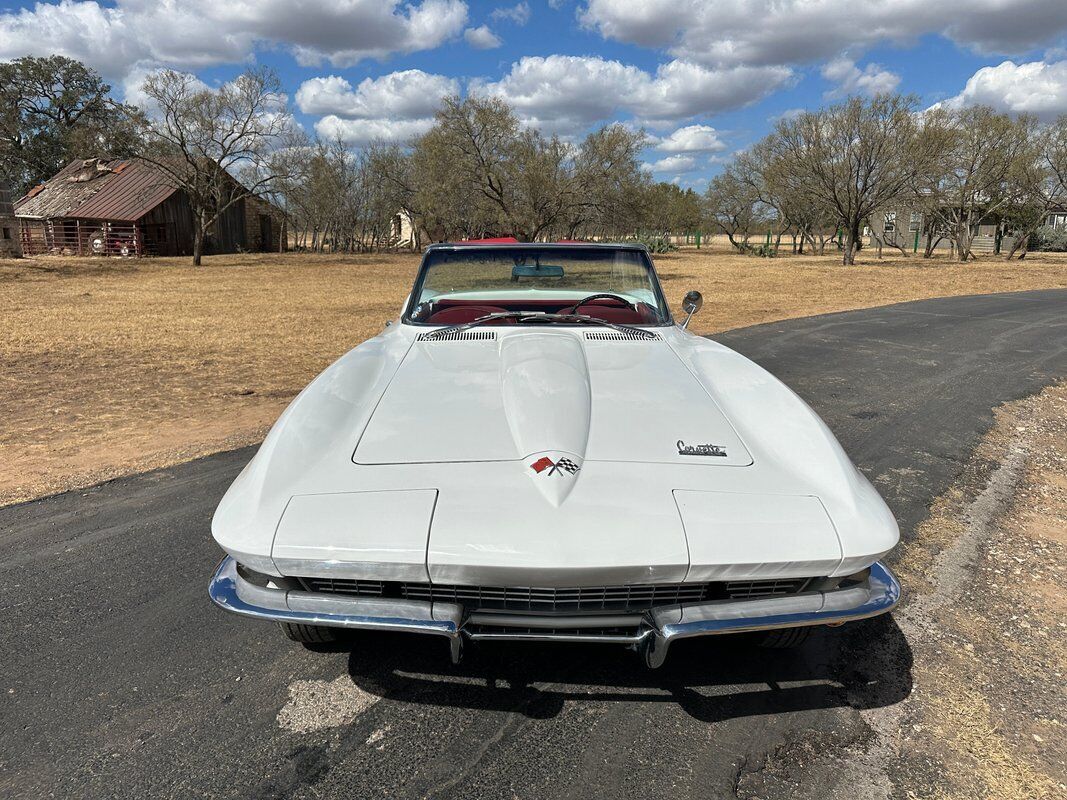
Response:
column 691, row 304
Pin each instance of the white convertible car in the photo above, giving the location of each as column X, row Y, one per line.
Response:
column 537, row 451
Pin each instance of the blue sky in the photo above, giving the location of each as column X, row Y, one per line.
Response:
column 704, row 77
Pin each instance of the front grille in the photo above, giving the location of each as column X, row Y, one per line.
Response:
column 592, row 599
column 744, row 590
column 343, row 586
column 520, row 630
column 587, row 598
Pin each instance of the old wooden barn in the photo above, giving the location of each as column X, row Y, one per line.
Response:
column 127, row 208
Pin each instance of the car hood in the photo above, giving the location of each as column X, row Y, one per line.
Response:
column 575, row 394
column 550, row 457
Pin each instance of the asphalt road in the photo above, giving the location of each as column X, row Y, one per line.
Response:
column 119, row 679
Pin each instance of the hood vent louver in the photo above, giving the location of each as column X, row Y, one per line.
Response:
column 459, row 336
column 620, row 336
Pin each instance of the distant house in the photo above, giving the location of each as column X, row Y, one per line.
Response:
column 1057, row 217
column 9, row 240
column 127, row 207
column 405, row 233
column 902, row 226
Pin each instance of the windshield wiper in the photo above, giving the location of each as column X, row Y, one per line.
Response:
column 597, row 321
column 464, row 325
column 533, row 316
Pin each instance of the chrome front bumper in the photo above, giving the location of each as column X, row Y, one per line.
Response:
column 658, row 628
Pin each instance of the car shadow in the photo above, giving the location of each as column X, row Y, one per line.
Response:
column 864, row 665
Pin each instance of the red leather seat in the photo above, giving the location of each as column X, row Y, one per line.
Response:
column 457, row 315
column 609, row 310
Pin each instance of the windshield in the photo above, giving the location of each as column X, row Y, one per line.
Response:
column 458, row 286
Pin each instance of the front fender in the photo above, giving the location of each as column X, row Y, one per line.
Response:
column 317, row 430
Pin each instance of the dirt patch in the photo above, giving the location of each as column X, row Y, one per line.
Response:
column 989, row 635
column 109, row 367
column 315, row 705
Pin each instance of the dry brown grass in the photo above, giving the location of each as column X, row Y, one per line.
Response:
column 111, row 367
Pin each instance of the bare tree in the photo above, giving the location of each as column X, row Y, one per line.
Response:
column 734, row 207
column 200, row 138
column 1040, row 181
column 478, row 171
column 607, row 191
column 852, row 158
column 985, row 153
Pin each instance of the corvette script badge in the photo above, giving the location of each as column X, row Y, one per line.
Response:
column 564, row 464
column 700, row 449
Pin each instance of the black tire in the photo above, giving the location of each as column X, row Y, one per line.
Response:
column 785, row 638
column 308, row 634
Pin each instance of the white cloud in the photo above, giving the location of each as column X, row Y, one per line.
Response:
column 394, row 107
column 481, row 38
column 852, row 80
column 692, row 139
column 197, row 33
column 1037, row 87
column 407, row 94
column 363, row 131
column 678, row 163
column 518, row 13
column 567, row 93
column 756, row 32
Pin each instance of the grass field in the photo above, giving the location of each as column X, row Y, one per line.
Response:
column 112, row 366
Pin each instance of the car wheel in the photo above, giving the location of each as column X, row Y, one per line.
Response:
column 785, row 637
column 308, row 634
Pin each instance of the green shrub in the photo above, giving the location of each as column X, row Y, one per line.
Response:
column 761, row 250
column 1049, row 239
column 655, row 243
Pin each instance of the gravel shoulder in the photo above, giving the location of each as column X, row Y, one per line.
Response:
column 987, row 620
column 986, row 582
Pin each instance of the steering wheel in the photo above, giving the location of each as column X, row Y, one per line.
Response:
column 605, row 296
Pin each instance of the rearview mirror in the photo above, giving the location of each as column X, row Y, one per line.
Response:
column 536, row 271
column 691, row 304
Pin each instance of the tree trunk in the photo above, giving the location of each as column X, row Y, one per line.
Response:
column 198, row 243
column 963, row 239
column 1021, row 242
column 852, row 243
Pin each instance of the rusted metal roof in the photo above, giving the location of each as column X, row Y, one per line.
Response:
column 135, row 189
column 59, row 194
column 114, row 190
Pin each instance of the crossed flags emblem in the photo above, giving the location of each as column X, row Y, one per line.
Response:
column 543, row 463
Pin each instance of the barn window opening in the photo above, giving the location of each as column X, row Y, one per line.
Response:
column 7, row 233
column 890, row 224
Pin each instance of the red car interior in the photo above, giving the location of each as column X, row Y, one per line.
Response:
column 457, row 312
